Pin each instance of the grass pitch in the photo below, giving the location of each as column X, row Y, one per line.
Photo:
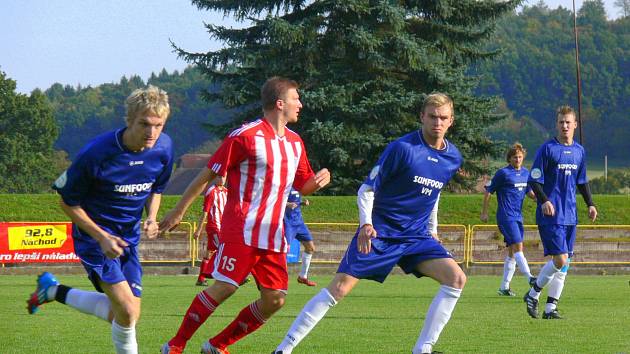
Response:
column 374, row 318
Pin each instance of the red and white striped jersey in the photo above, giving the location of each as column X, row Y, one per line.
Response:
column 261, row 168
column 214, row 204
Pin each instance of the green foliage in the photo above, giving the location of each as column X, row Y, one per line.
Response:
column 27, row 133
column 536, row 72
column 84, row 113
column 618, row 182
column 364, row 68
column 374, row 318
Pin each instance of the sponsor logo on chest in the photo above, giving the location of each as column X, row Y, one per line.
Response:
column 133, row 188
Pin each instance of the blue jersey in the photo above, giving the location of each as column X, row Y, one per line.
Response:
column 559, row 168
column 407, row 181
column 294, row 216
column 511, row 186
column 112, row 183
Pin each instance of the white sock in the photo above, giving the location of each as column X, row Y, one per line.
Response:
column 509, row 266
column 124, row 339
column 306, row 263
column 438, row 315
column 555, row 290
column 546, row 274
column 89, row 302
column 522, row 264
column 51, row 292
column 311, row 314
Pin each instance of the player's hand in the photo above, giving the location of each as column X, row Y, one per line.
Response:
column 150, row 228
column 197, row 233
column 171, row 220
column 592, row 213
column 436, row 237
column 484, row 216
column 112, row 246
column 322, row 178
column 548, row 209
column 306, row 202
column 364, row 241
column 292, row 205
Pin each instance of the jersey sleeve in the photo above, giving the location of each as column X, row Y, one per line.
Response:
column 304, row 170
column 387, row 165
column 231, row 151
column 537, row 173
column 162, row 180
column 581, row 177
column 495, row 182
column 74, row 183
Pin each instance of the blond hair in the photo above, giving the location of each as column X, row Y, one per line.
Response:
column 149, row 100
column 565, row 110
column 514, row 149
column 437, row 99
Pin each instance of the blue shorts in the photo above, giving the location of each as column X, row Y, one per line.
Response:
column 111, row 271
column 388, row 252
column 299, row 232
column 557, row 239
column 512, row 232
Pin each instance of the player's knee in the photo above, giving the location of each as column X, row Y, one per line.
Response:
column 272, row 303
column 309, row 249
column 127, row 315
column 559, row 262
column 459, row 280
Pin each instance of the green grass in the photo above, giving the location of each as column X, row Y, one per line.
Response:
column 374, row 318
column 454, row 209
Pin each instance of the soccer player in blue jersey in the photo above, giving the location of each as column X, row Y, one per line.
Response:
column 510, row 184
column 558, row 170
column 395, row 204
column 294, row 228
column 112, row 179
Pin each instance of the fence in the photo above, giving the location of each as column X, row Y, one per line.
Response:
column 469, row 244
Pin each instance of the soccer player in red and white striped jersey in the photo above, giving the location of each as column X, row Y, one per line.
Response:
column 262, row 160
column 213, row 206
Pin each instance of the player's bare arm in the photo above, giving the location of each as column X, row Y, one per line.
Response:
column 364, row 241
column 484, row 210
column 317, row 182
column 111, row 245
column 202, row 219
column 198, row 185
column 150, row 226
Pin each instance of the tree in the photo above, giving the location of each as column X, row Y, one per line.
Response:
column 364, row 67
column 624, row 7
column 27, row 133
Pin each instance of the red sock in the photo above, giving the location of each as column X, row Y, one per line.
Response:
column 202, row 307
column 202, row 270
column 247, row 321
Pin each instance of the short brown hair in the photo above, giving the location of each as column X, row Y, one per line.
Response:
column 149, row 100
column 564, row 110
column 437, row 99
column 275, row 88
column 514, row 149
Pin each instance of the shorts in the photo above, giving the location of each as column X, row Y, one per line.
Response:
column 111, row 271
column 213, row 239
column 234, row 261
column 386, row 253
column 299, row 232
column 557, row 239
column 512, row 232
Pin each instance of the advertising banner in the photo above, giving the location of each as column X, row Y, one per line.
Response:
column 36, row 242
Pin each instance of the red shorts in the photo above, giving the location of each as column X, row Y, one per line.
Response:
column 213, row 239
column 234, row 261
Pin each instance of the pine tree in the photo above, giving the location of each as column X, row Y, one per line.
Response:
column 364, row 67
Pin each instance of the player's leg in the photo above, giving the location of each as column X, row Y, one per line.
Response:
column 554, row 245
column 125, row 306
column 207, row 264
column 307, row 255
column 519, row 256
column 557, row 282
column 375, row 265
column 452, row 279
column 315, row 310
column 509, row 264
column 233, row 263
column 270, row 272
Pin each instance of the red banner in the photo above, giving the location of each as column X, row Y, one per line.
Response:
column 36, row 242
